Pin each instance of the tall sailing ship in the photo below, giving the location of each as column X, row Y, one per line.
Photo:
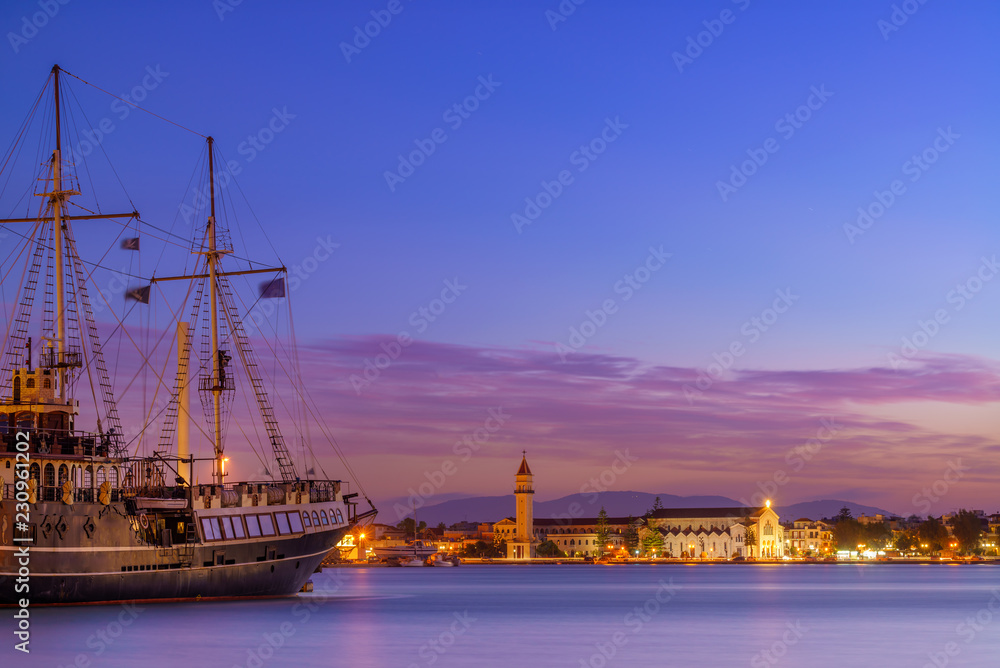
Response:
column 111, row 516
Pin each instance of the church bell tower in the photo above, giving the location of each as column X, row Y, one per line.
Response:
column 523, row 544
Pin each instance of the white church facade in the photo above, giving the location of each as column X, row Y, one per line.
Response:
column 713, row 533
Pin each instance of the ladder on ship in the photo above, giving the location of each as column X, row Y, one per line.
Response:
column 249, row 360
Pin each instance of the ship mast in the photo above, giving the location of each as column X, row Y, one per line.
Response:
column 56, row 197
column 218, row 362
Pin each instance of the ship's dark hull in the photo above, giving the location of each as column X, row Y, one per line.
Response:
column 111, row 562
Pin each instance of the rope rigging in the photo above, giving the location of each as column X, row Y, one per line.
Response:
column 38, row 248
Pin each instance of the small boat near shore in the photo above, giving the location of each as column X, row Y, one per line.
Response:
column 416, row 548
column 442, row 560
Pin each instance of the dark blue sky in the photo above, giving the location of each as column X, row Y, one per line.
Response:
column 678, row 135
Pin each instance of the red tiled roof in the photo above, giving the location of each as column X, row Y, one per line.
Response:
column 727, row 513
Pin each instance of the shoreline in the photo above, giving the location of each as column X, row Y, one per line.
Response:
column 692, row 562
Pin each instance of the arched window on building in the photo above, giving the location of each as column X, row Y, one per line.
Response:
column 47, row 383
column 63, row 474
column 30, row 384
column 768, row 529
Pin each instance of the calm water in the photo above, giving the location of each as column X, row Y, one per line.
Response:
column 514, row 616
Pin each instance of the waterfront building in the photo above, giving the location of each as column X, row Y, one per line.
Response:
column 578, row 536
column 718, row 532
column 806, row 537
column 505, row 530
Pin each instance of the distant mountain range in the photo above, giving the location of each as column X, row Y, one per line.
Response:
column 617, row 504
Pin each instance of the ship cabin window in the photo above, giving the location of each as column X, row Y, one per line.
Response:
column 340, row 517
column 266, row 525
column 238, row 527
column 315, row 519
column 253, row 526
column 227, row 527
column 281, row 519
column 50, row 475
column 322, row 517
column 47, row 383
column 30, row 384
column 305, row 519
column 210, row 528
column 295, row 521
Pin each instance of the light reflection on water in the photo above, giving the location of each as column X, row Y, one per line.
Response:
column 512, row 616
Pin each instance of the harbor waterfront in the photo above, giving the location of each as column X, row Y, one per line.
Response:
column 593, row 615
